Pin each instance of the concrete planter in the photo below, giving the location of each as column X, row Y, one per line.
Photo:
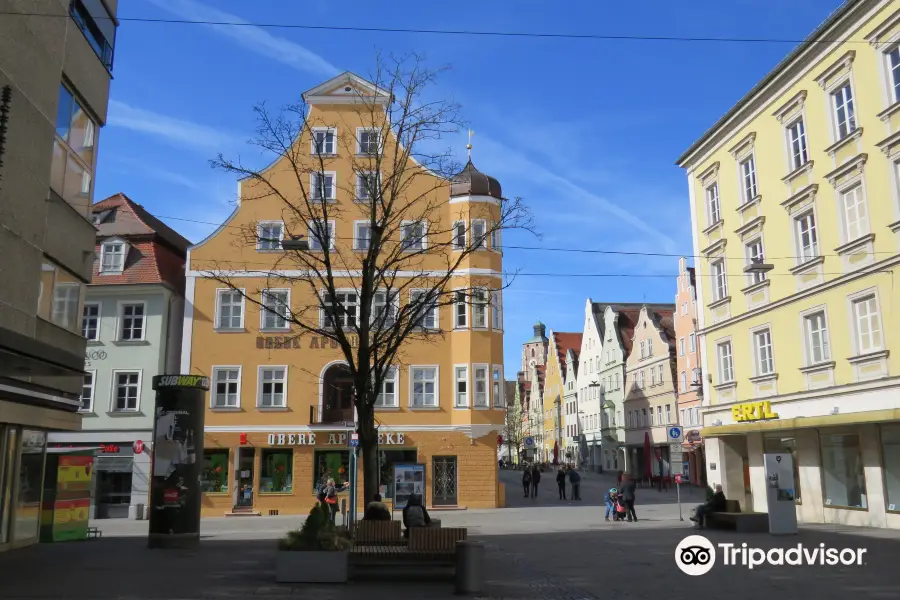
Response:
column 311, row 566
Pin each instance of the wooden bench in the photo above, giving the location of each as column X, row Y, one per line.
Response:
column 741, row 522
column 378, row 533
column 93, row 533
column 426, row 545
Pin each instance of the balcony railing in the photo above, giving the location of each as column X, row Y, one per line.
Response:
column 342, row 417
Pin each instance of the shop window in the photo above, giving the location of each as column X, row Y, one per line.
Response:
column 215, row 471
column 890, row 451
column 782, row 445
column 31, row 476
column 842, row 469
column 387, row 459
column 331, row 464
column 277, row 471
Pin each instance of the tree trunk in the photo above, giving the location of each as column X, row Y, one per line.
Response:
column 368, row 443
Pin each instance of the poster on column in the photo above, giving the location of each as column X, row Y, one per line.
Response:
column 409, row 479
column 175, row 493
column 780, row 497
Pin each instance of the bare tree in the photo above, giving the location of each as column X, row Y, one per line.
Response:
column 514, row 428
column 373, row 293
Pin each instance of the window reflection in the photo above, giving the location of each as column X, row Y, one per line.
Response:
column 31, row 476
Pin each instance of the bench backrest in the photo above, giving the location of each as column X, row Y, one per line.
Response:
column 373, row 532
column 732, row 506
column 434, row 539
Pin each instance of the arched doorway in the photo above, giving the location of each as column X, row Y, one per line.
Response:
column 337, row 395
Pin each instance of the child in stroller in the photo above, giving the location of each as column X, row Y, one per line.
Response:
column 620, row 510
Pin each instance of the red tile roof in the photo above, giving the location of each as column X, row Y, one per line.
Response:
column 565, row 341
column 156, row 253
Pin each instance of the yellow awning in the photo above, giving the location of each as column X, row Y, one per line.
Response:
column 838, row 420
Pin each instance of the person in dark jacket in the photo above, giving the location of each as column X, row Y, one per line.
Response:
column 561, row 482
column 414, row 513
column 526, row 480
column 535, row 480
column 376, row 510
column 575, row 480
column 627, row 490
column 714, row 504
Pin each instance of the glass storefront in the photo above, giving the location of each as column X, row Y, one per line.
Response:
column 890, row 451
column 9, row 451
column 331, row 464
column 842, row 471
column 27, row 518
column 215, row 471
column 277, row 474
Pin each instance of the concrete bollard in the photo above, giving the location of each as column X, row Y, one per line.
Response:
column 469, row 563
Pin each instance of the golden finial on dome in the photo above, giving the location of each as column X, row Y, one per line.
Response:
column 469, row 145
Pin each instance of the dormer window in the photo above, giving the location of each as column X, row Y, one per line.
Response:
column 112, row 257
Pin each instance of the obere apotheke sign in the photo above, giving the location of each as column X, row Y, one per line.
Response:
column 330, row 439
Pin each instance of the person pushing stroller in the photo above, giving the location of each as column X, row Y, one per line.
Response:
column 615, row 505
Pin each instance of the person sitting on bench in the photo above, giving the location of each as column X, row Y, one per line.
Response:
column 714, row 504
column 414, row 514
column 376, row 510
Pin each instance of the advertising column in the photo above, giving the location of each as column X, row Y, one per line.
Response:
column 782, row 503
column 175, row 493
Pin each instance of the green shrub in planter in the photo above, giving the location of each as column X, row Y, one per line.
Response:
column 317, row 533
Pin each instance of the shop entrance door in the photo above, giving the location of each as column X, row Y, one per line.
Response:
column 444, row 490
column 337, row 403
column 243, row 474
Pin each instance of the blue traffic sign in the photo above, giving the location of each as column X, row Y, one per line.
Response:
column 354, row 443
column 675, row 433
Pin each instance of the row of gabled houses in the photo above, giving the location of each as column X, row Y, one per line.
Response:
column 604, row 398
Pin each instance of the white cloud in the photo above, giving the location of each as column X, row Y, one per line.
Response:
column 178, row 131
column 251, row 37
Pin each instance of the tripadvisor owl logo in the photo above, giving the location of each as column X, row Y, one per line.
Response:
column 696, row 555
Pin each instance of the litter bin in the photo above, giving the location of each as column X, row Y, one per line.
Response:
column 469, row 562
column 138, row 512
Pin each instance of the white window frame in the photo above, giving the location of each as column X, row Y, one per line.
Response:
column 713, row 204
column 836, row 93
column 763, row 347
column 434, row 311
column 496, row 310
column 114, row 390
column 719, row 280
column 805, row 254
column 260, row 244
column 754, row 249
column 668, row 414
column 344, row 325
column 391, row 376
column 334, row 141
column 725, row 361
column 379, row 142
column 360, row 176
column 806, row 319
column 265, row 312
column 213, row 395
column 497, row 389
column 404, row 231
column 497, row 238
column 892, row 73
column 652, row 376
column 459, row 241
column 465, row 311
column 260, row 382
column 641, row 379
column 862, row 226
column 681, row 346
column 795, row 132
column 692, row 342
column 437, row 387
column 315, row 244
column 120, row 325
column 487, row 381
column 747, row 170
column 357, row 237
column 683, row 381
column 479, row 244
column 481, row 308
column 219, row 293
column 85, row 319
column 854, row 301
column 104, row 252
column 314, row 188
column 380, row 301
column 93, row 388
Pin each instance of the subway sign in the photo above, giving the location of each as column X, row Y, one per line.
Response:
column 181, row 381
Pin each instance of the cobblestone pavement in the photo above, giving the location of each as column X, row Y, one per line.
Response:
column 545, row 551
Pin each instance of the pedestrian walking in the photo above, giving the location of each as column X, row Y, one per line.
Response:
column 526, row 480
column 561, row 482
column 535, row 481
column 575, row 480
column 628, row 492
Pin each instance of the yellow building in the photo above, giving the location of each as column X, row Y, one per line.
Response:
column 281, row 409
column 802, row 175
column 555, row 408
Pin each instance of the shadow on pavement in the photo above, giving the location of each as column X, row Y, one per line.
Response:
column 614, row 561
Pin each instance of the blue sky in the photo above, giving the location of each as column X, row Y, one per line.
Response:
column 585, row 131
